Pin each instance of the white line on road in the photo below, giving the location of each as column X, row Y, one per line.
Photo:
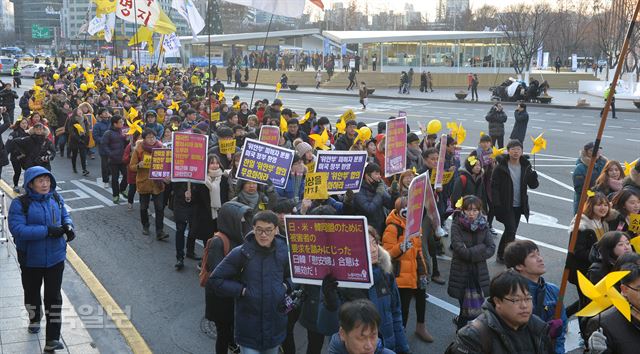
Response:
column 478, row 121
column 557, row 130
column 537, row 128
column 634, row 140
column 580, row 133
column 589, row 124
column 538, row 120
column 443, row 304
column 90, row 191
column 561, row 184
column 551, row 196
column 563, row 122
column 615, row 126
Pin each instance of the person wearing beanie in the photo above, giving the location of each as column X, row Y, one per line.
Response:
column 414, row 153
column 511, row 177
column 151, row 122
column 305, row 151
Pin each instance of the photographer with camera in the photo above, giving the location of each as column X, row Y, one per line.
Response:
column 8, row 99
column 35, row 149
column 41, row 228
column 257, row 275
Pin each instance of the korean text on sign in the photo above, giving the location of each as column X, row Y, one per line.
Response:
column 395, row 147
column 345, row 169
column 189, row 158
column 160, row 164
column 321, row 245
column 261, row 161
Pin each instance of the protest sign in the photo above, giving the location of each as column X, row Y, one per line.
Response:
column 438, row 181
column 402, row 114
column 415, row 205
column 270, row 134
column 446, row 177
column 215, row 116
column 395, row 158
column 634, row 224
column 315, row 186
column 344, row 168
column 336, row 245
column 160, row 164
column 189, row 157
column 227, row 146
column 261, row 161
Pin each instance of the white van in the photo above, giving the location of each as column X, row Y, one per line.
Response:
column 6, row 64
column 172, row 62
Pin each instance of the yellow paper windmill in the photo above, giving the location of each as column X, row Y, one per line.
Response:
column 629, row 166
column 472, row 160
column 283, row 125
column 92, row 86
column 453, row 128
column 139, row 92
column 89, row 77
column 603, row 295
column 320, row 140
column 134, row 126
column 109, row 89
column 539, row 143
column 495, row 152
column 133, row 113
column 220, row 95
column 305, row 118
column 341, row 126
column 79, row 128
column 236, row 106
column 635, row 242
column 159, row 96
column 459, row 203
column 461, row 135
column 278, row 87
column 175, row 106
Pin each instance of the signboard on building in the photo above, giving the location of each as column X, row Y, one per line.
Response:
column 39, row 32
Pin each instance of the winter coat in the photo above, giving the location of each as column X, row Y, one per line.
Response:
column 203, row 225
column 34, row 147
column 267, row 200
column 288, row 190
column 371, row 205
column 157, row 128
column 520, row 127
column 471, row 249
column 623, row 337
column 10, row 146
column 471, row 186
column 30, row 233
column 301, row 135
column 99, row 129
column 4, row 155
column 496, row 121
column 112, row 145
column 144, row 185
column 579, row 259
column 344, row 142
column 337, row 346
column 580, row 172
column 264, row 274
column 632, row 181
column 545, row 298
column 619, row 223
column 408, row 266
column 502, row 187
column 384, row 294
column 78, row 140
column 487, row 335
column 231, row 225
column 126, row 158
column 310, row 307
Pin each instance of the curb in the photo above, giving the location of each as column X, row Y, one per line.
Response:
column 413, row 98
column 117, row 315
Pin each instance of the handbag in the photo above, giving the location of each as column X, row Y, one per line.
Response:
column 472, row 299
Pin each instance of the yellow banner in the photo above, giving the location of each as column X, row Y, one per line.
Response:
column 215, row 116
column 446, row 177
column 315, row 186
column 146, row 161
column 634, row 223
column 227, row 146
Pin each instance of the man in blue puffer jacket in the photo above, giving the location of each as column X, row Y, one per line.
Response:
column 38, row 221
column 257, row 275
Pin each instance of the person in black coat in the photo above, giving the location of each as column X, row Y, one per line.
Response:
column 207, row 199
column 182, row 213
column 35, row 149
column 496, row 118
column 520, row 127
column 509, row 206
column 19, row 131
column 8, row 99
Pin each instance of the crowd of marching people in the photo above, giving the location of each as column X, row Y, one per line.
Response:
column 118, row 116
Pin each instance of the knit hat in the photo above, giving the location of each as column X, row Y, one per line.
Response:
column 302, row 148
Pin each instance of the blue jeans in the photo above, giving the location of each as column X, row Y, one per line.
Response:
column 245, row 350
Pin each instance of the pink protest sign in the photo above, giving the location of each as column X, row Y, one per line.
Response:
column 270, row 134
column 189, row 158
column 395, row 157
column 336, row 245
column 441, row 157
column 160, row 164
column 415, row 205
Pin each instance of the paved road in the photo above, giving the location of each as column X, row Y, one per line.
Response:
column 167, row 306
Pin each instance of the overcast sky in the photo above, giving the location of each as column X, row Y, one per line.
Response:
column 428, row 6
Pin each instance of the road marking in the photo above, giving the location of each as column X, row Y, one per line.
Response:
column 557, row 130
column 634, row 140
column 567, row 115
column 607, row 136
column 561, row 184
column 478, row 121
column 443, row 304
column 538, row 120
column 555, row 165
column 119, row 317
column 563, row 122
column 589, row 124
column 537, row 128
column 615, row 126
column 551, row 196
column 575, row 132
column 91, row 192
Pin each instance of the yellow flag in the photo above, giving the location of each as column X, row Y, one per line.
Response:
column 283, row 125
column 79, row 128
column 164, row 25
column 144, row 34
column 105, row 6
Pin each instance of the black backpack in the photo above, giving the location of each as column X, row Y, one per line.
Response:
column 25, row 202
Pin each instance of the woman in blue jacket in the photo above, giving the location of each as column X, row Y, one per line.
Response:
column 38, row 221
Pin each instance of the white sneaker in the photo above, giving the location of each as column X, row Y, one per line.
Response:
column 107, row 185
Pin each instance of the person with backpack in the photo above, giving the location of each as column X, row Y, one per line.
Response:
column 234, row 224
column 41, row 228
column 409, row 267
column 470, row 181
column 35, row 149
column 257, row 275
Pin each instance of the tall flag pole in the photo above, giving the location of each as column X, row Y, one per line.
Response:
column 596, row 147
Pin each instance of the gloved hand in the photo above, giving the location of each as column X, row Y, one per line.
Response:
column 348, row 197
column 55, row 231
column 394, row 186
column 68, row 229
column 423, row 281
column 597, row 342
column 380, row 189
column 269, row 186
column 555, row 327
column 330, row 292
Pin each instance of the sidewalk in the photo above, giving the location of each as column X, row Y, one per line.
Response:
column 14, row 337
column 562, row 99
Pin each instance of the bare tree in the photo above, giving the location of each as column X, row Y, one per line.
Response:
column 612, row 19
column 485, row 16
column 525, row 27
column 570, row 28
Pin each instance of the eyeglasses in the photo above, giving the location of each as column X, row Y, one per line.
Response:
column 259, row 231
column 632, row 288
column 523, row 301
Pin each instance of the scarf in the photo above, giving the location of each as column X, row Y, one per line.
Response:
column 213, row 184
column 480, row 223
column 414, row 154
column 250, row 200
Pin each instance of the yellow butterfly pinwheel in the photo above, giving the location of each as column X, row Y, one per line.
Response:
column 320, row 140
column 459, row 203
column 159, row 96
column 461, row 135
column 453, row 128
column 603, row 295
column 472, row 160
column 284, row 127
column 495, row 152
column 539, row 143
column 629, row 166
column 175, row 106
column 305, row 118
column 133, row 114
column 220, row 95
column 134, row 126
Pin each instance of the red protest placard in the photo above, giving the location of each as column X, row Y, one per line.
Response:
column 395, row 157
column 415, row 205
column 189, row 157
column 270, row 134
column 160, row 164
column 336, row 245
